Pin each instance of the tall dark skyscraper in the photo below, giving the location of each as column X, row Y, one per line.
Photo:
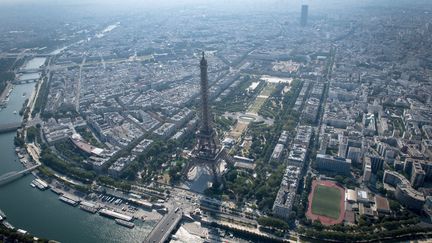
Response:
column 304, row 15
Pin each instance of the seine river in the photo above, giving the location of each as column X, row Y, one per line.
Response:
column 40, row 212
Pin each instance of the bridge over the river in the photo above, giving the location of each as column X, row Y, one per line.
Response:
column 9, row 127
column 164, row 228
column 13, row 175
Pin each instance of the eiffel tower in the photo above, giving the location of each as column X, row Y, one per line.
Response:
column 207, row 147
column 207, row 154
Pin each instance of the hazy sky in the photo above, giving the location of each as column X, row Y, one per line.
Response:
column 182, row 2
column 314, row 5
column 152, row 4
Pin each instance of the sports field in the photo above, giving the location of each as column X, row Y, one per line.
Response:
column 326, row 201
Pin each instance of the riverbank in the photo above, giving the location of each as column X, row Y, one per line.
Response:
column 4, row 96
column 25, row 206
column 126, row 207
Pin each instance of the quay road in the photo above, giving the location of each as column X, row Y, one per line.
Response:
column 221, row 214
column 163, row 229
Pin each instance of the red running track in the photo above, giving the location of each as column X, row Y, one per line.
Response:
column 324, row 219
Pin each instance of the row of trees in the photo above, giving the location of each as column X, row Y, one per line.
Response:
column 42, row 98
column 6, row 73
column 33, row 134
column 273, row 222
column 272, row 105
column 410, row 232
column 69, row 151
column 347, row 182
column 77, row 172
column 301, row 202
column 8, row 235
column 262, row 134
column 151, row 161
column 246, row 234
column 382, row 227
column 262, row 187
column 223, row 124
column 121, row 184
column 51, row 160
column 239, row 97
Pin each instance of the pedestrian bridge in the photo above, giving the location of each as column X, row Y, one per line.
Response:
column 9, row 127
column 13, row 175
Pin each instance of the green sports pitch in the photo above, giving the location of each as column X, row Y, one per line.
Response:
column 326, row 201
